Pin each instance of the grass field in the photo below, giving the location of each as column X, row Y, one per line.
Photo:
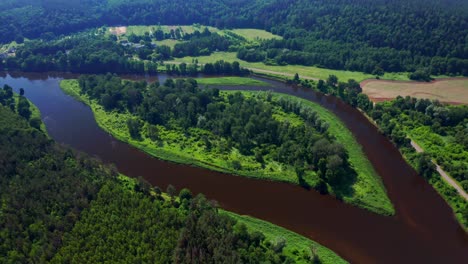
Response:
column 368, row 191
column 290, row 70
column 168, row 42
column 231, row 81
column 254, row 34
column 450, row 90
column 296, row 245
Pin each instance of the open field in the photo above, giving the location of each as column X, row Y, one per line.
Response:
column 452, row 90
column 368, row 191
column 168, row 42
column 254, row 34
column 295, row 244
column 290, row 70
column 231, row 81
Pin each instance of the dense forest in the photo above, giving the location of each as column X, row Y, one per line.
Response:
column 62, row 206
column 362, row 35
column 224, row 123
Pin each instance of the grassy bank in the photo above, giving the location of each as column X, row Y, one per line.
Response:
column 296, row 245
column 231, row 81
column 367, row 191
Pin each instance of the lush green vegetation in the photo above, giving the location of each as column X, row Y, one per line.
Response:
column 441, row 131
column 231, row 81
column 59, row 206
column 362, row 35
column 281, row 137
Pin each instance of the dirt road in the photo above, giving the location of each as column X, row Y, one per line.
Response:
column 442, row 173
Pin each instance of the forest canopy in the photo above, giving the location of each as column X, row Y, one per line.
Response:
column 360, row 35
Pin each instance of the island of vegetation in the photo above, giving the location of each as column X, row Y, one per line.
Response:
column 59, row 206
column 262, row 135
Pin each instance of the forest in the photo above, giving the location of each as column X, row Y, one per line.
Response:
column 89, row 53
column 62, row 206
column 361, row 35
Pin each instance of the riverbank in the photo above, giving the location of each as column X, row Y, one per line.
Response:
column 296, row 245
column 457, row 203
column 367, row 192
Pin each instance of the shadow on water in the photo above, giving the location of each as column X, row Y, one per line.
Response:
column 423, row 230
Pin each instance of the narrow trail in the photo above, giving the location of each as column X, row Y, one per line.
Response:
column 442, row 173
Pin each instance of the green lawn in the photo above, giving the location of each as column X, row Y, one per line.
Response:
column 368, row 191
column 290, row 70
column 296, row 245
column 231, row 81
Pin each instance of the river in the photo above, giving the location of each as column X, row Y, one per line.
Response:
column 423, row 230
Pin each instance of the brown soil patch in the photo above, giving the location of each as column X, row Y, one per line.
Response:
column 450, row 90
column 118, row 30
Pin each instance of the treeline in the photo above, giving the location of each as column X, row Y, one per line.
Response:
column 246, row 124
column 218, row 68
column 202, row 46
column 59, row 206
column 361, row 35
column 79, row 54
column 352, row 57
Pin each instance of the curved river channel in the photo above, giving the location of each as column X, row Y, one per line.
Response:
column 423, row 230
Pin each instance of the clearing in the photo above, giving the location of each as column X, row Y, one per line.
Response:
column 450, row 90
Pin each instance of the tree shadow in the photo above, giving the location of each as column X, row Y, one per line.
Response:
column 344, row 187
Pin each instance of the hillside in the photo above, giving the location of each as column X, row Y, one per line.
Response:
column 360, row 35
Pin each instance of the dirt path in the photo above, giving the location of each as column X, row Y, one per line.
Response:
column 442, row 173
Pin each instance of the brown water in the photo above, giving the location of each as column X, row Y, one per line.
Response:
column 423, row 231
